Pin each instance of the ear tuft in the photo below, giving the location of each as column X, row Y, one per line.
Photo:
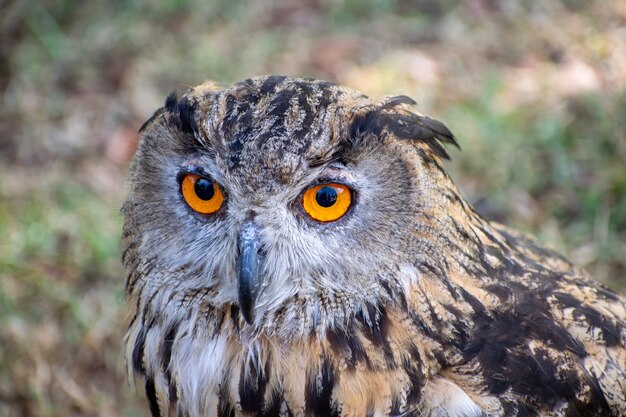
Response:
column 183, row 112
column 393, row 117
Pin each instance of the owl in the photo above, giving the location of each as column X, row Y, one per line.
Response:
column 295, row 248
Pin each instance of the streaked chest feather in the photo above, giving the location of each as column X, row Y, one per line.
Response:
column 374, row 370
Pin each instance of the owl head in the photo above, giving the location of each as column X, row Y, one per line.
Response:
column 292, row 205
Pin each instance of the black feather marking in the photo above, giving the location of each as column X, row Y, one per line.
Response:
column 227, row 410
column 168, row 343
column 375, row 327
column 395, row 294
column 537, row 376
column 235, row 148
column 385, row 284
column 503, row 292
column 606, row 293
column 234, row 316
column 273, row 406
column 231, row 114
column 152, row 398
column 609, row 330
column 270, row 84
column 411, row 365
column 171, row 101
column 186, row 114
column 128, row 250
column 366, row 124
column 319, row 391
column 347, row 344
column 252, row 390
column 476, row 305
column 172, row 391
column 396, row 407
column 281, row 103
column 461, row 330
column 219, row 316
column 137, row 356
column 224, row 407
column 509, row 265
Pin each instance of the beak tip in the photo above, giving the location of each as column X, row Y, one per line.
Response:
column 247, row 315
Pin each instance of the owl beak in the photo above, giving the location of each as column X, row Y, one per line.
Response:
column 249, row 268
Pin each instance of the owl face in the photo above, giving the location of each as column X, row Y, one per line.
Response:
column 282, row 198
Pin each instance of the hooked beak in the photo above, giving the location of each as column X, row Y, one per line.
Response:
column 249, row 267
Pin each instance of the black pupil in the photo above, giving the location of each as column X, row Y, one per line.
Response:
column 326, row 196
column 204, row 189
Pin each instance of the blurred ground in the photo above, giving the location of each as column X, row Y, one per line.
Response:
column 535, row 93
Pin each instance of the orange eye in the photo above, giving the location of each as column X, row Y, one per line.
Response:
column 202, row 194
column 327, row 202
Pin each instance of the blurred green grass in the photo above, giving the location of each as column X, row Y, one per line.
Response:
column 534, row 91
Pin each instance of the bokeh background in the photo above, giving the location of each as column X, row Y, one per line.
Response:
column 534, row 91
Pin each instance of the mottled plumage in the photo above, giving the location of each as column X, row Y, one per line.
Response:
column 411, row 304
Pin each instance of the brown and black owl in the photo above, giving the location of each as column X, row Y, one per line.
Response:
column 295, row 248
